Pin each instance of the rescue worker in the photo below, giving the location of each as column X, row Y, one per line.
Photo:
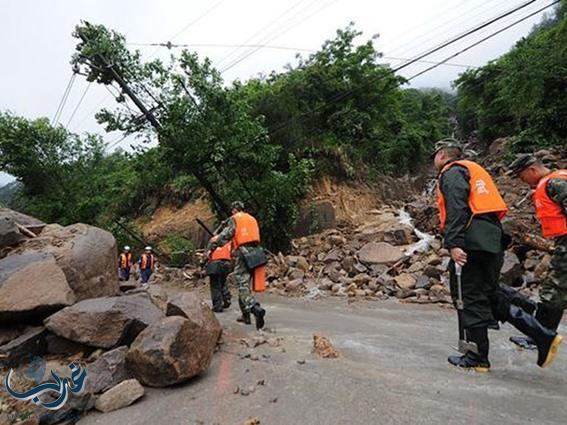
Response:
column 550, row 201
column 147, row 264
column 217, row 268
column 243, row 230
column 470, row 210
column 125, row 264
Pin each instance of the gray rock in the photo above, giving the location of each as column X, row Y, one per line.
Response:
column 334, row 255
column 30, row 343
column 105, row 322
column 86, row 254
column 108, row 370
column 379, row 253
column 423, row 282
column 9, row 233
column 172, row 350
column 119, row 396
column 32, row 286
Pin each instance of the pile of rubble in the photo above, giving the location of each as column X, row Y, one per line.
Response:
column 384, row 257
column 387, row 256
column 60, row 302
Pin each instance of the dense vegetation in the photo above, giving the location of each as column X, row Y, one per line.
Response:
column 522, row 93
column 337, row 112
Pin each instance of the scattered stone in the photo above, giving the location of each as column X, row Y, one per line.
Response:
column 298, row 261
column 405, row 281
column 119, row 396
column 323, row 347
column 252, row 421
column 423, row 282
column 107, row 371
column 302, row 361
column 334, row 255
column 379, row 253
column 294, row 285
column 105, row 322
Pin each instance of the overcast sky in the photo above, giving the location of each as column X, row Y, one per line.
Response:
column 37, row 43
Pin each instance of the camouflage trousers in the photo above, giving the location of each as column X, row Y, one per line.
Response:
column 243, row 279
column 554, row 288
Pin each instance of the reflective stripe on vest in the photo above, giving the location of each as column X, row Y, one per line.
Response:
column 247, row 230
column 221, row 253
column 145, row 261
column 125, row 260
column 484, row 197
column 550, row 214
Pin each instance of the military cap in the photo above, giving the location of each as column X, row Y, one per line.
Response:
column 521, row 162
column 237, row 205
column 446, row 143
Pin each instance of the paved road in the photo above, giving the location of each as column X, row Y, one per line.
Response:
column 393, row 370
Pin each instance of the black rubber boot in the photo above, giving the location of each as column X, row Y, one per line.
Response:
column 473, row 361
column 546, row 340
column 259, row 314
column 516, row 298
column 245, row 318
column 547, row 317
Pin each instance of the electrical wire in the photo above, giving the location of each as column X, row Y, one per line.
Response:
column 484, row 39
column 78, row 105
column 245, row 56
column 63, row 100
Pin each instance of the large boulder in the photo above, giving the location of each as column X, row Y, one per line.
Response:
column 379, row 253
column 107, row 371
column 86, row 254
column 171, row 351
column 196, row 310
column 32, row 286
column 105, row 322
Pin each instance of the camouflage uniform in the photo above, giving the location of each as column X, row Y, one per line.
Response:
column 554, row 287
column 241, row 273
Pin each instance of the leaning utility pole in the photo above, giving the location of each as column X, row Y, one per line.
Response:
column 201, row 178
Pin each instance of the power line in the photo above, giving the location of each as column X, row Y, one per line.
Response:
column 406, row 64
column 265, row 46
column 405, row 48
column 63, row 100
column 78, row 105
column 193, row 22
column 484, row 39
column 245, row 56
column 261, row 30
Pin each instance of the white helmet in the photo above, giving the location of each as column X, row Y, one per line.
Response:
column 148, row 248
column 126, row 248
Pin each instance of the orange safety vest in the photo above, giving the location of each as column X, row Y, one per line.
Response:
column 221, row 253
column 550, row 214
column 125, row 260
column 147, row 259
column 247, row 230
column 484, row 197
